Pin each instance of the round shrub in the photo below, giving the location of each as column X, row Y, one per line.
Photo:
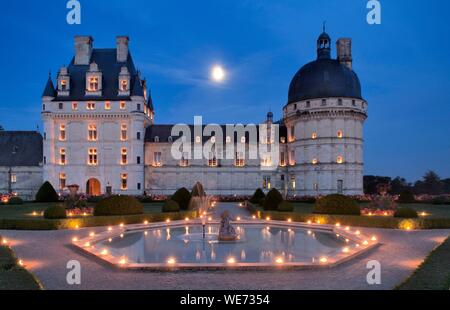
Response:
column 118, row 205
column 47, row 193
column 406, row 213
column 285, row 206
column 272, row 200
column 336, row 204
column 15, row 200
column 182, row 197
column 55, row 212
column 171, row 206
column 406, row 197
column 257, row 196
column 261, row 201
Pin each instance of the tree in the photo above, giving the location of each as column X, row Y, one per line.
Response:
column 1, row 128
column 371, row 182
column 430, row 184
column 399, row 185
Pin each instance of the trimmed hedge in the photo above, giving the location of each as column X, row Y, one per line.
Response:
column 272, row 200
column 406, row 197
column 257, row 196
column 285, row 206
column 171, row 206
column 46, row 193
column 183, row 197
column 15, row 200
column 336, row 204
column 118, row 205
column 91, row 221
column 55, row 212
column 406, row 213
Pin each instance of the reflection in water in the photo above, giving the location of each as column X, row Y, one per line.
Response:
column 257, row 243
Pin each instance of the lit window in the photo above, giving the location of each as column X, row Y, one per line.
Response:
column 283, row 140
column 62, row 156
column 92, row 132
column 266, row 182
column 62, row 181
column 157, row 159
column 123, row 132
column 315, row 161
column 62, row 132
column 239, row 160
column 228, row 139
column 123, row 105
column 282, row 159
column 13, row 178
column 212, row 160
column 124, row 156
column 93, row 83
column 124, row 85
column 184, row 162
column 339, row 159
column 266, row 162
column 92, row 157
column 292, row 158
column 107, row 105
column 197, row 139
column 293, row 182
column 123, row 181
column 340, row 134
column 90, row 106
column 314, row 136
column 74, row 106
column 63, row 85
column 243, row 140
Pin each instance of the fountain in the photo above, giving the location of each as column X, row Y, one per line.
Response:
column 226, row 231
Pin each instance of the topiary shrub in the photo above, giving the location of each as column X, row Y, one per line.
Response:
column 336, row 204
column 257, row 196
column 261, row 202
column 285, row 206
column 182, row 197
column 406, row 213
column 171, row 206
column 272, row 200
column 47, row 193
column 406, row 197
column 15, row 200
column 55, row 212
column 118, row 205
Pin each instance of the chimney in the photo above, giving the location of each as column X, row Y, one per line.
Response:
column 83, row 49
column 122, row 48
column 344, row 52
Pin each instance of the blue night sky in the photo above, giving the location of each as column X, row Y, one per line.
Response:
column 403, row 64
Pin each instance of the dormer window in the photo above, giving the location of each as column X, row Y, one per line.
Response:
column 107, row 105
column 63, row 82
column 93, row 81
column 123, row 85
column 93, row 84
column 124, row 82
column 123, row 105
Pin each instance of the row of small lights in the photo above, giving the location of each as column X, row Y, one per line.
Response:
column 5, row 242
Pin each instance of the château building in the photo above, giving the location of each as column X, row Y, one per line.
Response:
column 100, row 133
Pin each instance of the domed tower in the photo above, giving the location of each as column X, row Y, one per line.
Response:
column 324, row 117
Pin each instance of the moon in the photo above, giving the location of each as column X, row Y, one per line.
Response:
column 218, row 73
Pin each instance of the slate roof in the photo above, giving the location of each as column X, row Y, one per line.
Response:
column 20, row 148
column 106, row 59
column 163, row 132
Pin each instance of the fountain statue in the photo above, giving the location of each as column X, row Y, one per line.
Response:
column 226, row 231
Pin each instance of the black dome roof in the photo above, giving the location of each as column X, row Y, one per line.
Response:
column 324, row 78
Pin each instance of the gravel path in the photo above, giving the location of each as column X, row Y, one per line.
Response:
column 46, row 254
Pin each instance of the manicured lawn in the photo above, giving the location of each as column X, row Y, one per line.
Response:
column 433, row 211
column 21, row 217
column 13, row 276
column 433, row 273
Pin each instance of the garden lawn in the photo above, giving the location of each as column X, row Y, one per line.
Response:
column 20, row 217
column 433, row 211
column 433, row 273
column 13, row 276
